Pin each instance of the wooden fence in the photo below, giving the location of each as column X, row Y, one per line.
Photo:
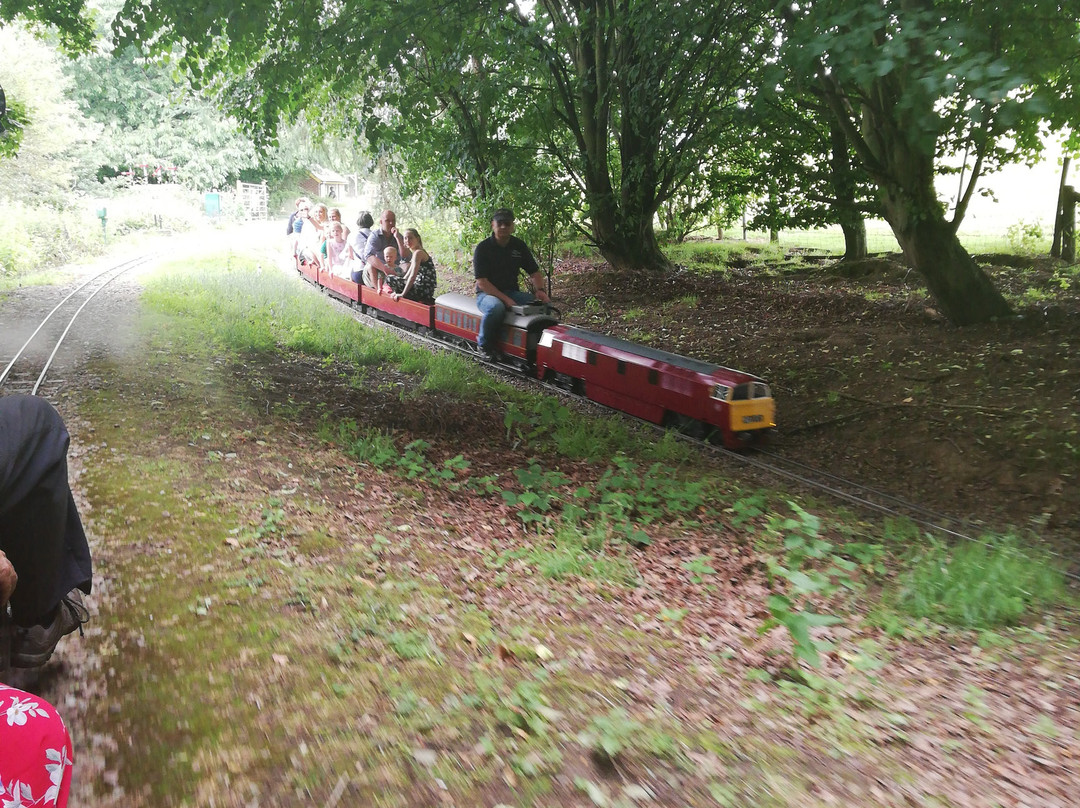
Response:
column 253, row 200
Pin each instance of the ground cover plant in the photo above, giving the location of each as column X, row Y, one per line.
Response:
column 336, row 570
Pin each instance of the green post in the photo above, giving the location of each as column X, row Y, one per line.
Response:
column 104, row 234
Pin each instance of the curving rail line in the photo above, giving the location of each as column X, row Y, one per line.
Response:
column 79, row 302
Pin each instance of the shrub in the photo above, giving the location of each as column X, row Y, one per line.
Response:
column 1025, row 238
column 37, row 237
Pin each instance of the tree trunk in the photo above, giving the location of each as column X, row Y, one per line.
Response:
column 628, row 243
column 1055, row 247
column 855, row 248
column 843, row 181
column 961, row 289
column 1068, row 224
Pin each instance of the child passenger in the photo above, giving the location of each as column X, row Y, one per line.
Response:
column 337, row 251
column 390, row 258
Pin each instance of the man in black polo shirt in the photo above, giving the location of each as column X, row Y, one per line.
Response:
column 497, row 262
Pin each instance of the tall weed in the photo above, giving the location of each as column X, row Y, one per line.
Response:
column 993, row 582
column 34, row 238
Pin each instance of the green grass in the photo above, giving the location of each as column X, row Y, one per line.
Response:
column 544, row 420
column 993, row 582
column 707, row 254
column 369, row 446
column 247, row 311
column 576, row 552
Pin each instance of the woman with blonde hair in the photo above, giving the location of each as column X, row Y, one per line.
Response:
column 418, row 282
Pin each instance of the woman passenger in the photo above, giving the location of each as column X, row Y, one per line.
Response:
column 364, row 222
column 418, row 283
column 309, row 237
column 321, row 217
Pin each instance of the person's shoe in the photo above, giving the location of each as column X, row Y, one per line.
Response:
column 491, row 354
column 31, row 647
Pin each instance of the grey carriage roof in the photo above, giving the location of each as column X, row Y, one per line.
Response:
column 686, row 362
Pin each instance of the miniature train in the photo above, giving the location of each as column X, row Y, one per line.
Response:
column 695, row 397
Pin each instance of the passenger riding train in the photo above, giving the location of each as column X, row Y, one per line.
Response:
column 695, row 397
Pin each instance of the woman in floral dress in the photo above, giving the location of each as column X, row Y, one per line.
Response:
column 35, row 747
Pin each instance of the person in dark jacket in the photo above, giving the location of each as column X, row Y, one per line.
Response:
column 41, row 534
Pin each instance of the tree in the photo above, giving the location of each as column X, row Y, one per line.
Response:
column 13, row 120
column 359, row 69
column 802, row 157
column 53, row 127
column 619, row 99
column 638, row 95
column 155, row 126
column 910, row 82
column 67, row 20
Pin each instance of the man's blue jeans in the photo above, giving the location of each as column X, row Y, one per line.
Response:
column 493, row 311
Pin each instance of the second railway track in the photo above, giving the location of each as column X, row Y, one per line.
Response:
column 27, row 365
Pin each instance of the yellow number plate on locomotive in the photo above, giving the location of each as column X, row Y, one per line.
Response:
column 757, row 413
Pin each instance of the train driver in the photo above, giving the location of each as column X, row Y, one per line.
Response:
column 497, row 261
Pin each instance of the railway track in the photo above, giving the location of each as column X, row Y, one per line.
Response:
column 813, row 480
column 28, row 369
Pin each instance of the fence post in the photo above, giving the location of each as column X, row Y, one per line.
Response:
column 1059, row 210
column 1068, row 224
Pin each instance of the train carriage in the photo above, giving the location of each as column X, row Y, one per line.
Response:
column 658, row 386
column 310, row 272
column 344, row 289
column 407, row 313
column 458, row 316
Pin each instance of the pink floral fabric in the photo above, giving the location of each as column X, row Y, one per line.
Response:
column 35, row 752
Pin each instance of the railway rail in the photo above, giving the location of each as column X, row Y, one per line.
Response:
column 26, row 371
column 769, row 462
